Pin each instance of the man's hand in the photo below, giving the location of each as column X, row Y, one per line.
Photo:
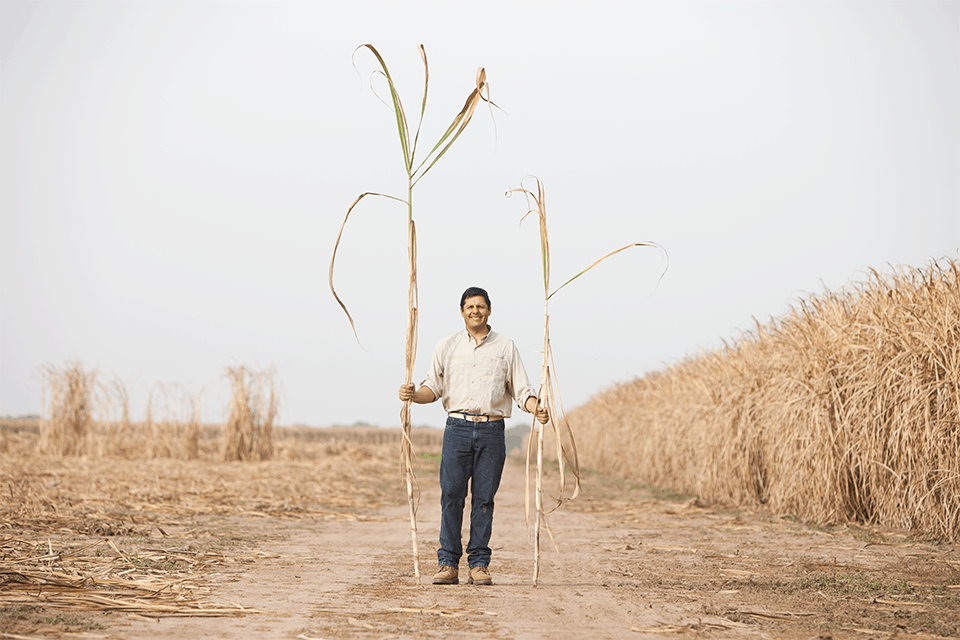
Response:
column 543, row 415
column 423, row 395
column 533, row 406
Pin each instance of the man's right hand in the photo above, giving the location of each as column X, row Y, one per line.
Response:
column 407, row 390
column 423, row 395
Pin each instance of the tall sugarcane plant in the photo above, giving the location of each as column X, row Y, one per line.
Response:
column 415, row 171
column 549, row 393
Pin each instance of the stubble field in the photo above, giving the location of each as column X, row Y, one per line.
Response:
column 315, row 544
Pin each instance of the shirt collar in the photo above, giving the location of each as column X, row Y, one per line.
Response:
column 487, row 338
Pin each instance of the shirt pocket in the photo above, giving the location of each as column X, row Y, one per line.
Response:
column 497, row 373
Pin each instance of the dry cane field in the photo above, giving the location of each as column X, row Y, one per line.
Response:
column 803, row 481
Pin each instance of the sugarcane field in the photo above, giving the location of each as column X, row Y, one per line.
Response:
column 292, row 346
column 167, row 528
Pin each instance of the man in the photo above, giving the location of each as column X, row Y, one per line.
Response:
column 477, row 373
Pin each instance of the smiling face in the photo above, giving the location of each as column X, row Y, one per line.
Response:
column 475, row 312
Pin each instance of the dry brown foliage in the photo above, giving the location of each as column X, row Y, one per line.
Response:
column 254, row 402
column 67, row 424
column 88, row 413
column 845, row 409
column 83, row 533
column 171, row 427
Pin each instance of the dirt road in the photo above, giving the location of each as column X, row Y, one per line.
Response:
column 630, row 566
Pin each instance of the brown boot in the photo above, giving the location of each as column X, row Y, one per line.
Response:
column 446, row 575
column 480, row 575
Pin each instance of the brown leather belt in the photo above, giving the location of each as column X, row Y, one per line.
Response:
column 473, row 418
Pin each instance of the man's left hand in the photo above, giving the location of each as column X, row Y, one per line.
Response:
column 543, row 415
column 533, row 406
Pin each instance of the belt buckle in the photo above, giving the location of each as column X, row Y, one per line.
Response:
column 469, row 417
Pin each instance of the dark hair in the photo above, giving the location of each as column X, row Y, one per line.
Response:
column 474, row 291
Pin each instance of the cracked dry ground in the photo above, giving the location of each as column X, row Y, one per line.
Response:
column 631, row 564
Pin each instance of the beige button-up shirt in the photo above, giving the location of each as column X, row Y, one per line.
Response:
column 478, row 378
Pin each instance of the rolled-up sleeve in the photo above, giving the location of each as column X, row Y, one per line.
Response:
column 519, row 380
column 434, row 378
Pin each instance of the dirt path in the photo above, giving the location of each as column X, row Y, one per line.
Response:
column 630, row 565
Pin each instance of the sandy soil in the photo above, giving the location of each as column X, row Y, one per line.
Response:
column 630, row 565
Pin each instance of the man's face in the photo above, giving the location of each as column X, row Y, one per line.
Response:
column 475, row 313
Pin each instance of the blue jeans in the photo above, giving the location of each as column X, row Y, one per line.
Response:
column 472, row 452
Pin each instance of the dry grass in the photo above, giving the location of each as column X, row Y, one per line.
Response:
column 88, row 413
column 844, row 409
column 67, row 425
column 140, row 536
column 254, row 402
column 171, row 426
column 314, row 472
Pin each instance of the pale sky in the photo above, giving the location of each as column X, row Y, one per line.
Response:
column 173, row 175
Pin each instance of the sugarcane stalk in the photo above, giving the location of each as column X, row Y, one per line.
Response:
column 411, row 356
column 543, row 398
column 539, row 506
column 408, row 145
column 546, row 395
